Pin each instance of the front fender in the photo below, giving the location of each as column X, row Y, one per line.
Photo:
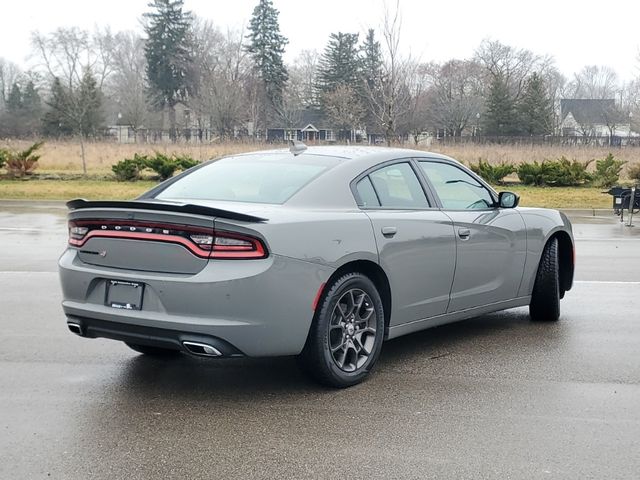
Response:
column 542, row 224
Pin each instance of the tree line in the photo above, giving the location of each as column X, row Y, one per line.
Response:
column 236, row 82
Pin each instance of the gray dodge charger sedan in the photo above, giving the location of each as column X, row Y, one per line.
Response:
column 323, row 253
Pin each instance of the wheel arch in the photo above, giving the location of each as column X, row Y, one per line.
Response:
column 566, row 259
column 377, row 275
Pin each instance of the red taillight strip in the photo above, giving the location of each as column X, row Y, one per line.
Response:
column 257, row 250
column 231, row 252
column 143, row 236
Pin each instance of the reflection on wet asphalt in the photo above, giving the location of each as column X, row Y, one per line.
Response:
column 493, row 397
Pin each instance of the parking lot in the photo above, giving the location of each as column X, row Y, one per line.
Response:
column 493, row 397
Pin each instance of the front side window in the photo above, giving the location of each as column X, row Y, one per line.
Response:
column 397, row 186
column 457, row 189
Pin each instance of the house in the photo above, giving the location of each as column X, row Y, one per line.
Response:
column 308, row 125
column 593, row 118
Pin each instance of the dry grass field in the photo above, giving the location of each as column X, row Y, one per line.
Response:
column 64, row 156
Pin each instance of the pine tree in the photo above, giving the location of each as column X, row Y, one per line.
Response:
column 55, row 121
column 371, row 62
column 266, row 47
column 501, row 117
column 371, row 59
column 340, row 64
column 88, row 115
column 31, row 101
column 167, row 51
column 14, row 99
column 536, row 107
column 75, row 111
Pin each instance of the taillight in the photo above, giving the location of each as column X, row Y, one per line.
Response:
column 232, row 245
column 202, row 242
column 76, row 232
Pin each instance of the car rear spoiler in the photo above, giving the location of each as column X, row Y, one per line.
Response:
column 80, row 204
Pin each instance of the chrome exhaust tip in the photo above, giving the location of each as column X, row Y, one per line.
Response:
column 75, row 328
column 201, row 349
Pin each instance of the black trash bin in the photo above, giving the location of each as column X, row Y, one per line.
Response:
column 622, row 199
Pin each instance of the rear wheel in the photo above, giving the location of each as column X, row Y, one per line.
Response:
column 545, row 299
column 347, row 332
column 153, row 351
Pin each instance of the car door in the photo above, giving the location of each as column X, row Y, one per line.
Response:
column 415, row 241
column 491, row 241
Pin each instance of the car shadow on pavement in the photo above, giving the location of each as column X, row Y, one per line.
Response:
column 493, row 337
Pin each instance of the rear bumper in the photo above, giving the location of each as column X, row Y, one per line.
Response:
column 254, row 307
column 150, row 336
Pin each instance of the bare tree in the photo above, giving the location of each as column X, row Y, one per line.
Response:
column 127, row 87
column 512, row 65
column 67, row 53
column 78, row 63
column 222, row 68
column 388, row 96
column 595, row 82
column 10, row 73
column 302, row 77
column 455, row 97
column 345, row 110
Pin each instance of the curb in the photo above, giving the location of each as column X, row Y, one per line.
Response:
column 588, row 212
column 33, row 203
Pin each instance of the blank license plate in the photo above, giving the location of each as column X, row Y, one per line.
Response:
column 124, row 295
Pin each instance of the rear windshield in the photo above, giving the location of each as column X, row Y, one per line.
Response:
column 271, row 178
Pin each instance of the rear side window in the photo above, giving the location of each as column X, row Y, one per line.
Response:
column 367, row 194
column 271, row 178
column 397, row 186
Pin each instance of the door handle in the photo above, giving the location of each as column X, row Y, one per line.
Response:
column 389, row 231
column 464, row 233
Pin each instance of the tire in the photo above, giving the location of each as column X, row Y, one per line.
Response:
column 153, row 351
column 347, row 333
column 545, row 299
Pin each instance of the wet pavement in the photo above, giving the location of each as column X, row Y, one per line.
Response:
column 493, row 397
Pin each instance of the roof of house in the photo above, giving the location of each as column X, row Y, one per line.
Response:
column 303, row 118
column 587, row 111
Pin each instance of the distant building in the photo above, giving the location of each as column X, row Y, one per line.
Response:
column 593, row 118
column 307, row 125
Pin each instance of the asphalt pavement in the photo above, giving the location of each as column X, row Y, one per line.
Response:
column 493, row 397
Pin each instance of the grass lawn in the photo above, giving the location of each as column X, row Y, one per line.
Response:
column 552, row 197
column 560, row 197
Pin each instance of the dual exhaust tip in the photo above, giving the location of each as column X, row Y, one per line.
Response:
column 194, row 348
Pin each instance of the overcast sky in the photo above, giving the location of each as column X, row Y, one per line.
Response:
column 575, row 32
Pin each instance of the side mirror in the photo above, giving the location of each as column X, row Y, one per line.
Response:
column 508, row 200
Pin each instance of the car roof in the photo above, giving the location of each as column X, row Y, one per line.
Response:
column 348, row 152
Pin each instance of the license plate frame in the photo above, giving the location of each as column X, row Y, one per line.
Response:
column 124, row 295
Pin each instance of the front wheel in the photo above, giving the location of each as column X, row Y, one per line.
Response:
column 545, row 299
column 347, row 332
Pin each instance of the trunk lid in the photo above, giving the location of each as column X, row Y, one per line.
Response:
column 147, row 236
